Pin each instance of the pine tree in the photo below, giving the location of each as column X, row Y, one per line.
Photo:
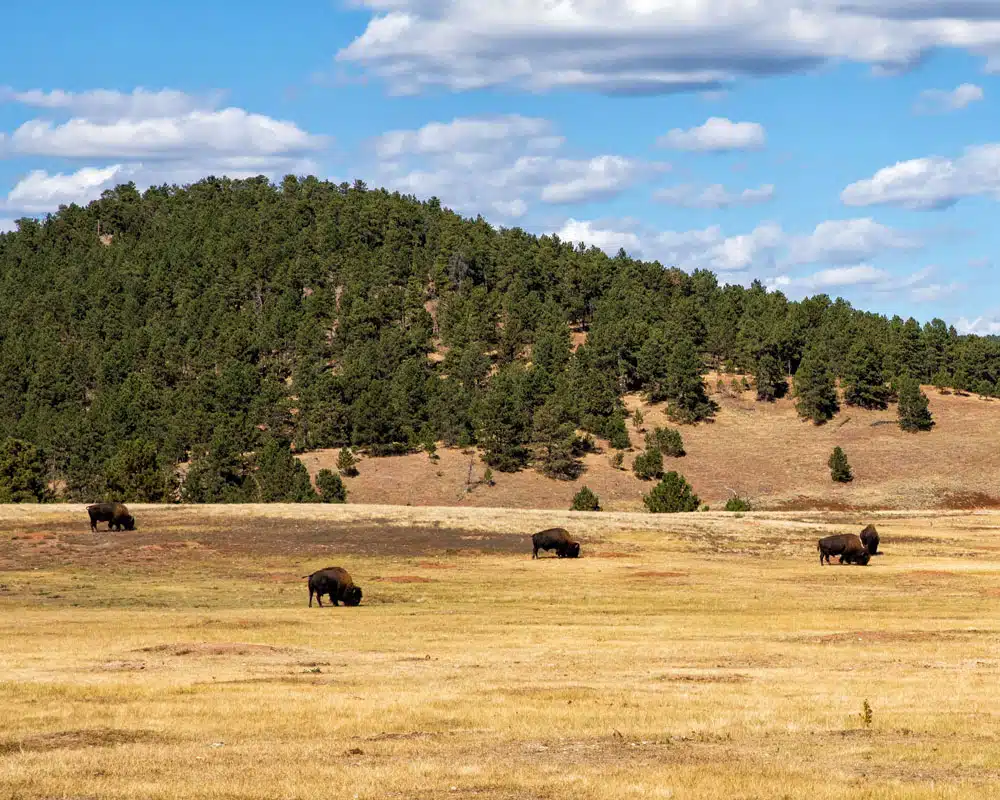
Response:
column 347, row 462
column 616, row 433
column 684, row 387
column 503, row 421
column 331, row 487
column 864, row 383
column 814, row 386
column 672, row 494
column 585, row 500
column 667, row 440
column 22, row 473
column 134, row 474
column 840, row 470
column 557, row 438
column 648, row 464
column 769, row 378
column 913, row 410
column 942, row 380
column 280, row 477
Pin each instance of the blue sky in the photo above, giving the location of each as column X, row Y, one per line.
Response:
column 850, row 147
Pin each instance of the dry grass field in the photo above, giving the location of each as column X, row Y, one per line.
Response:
column 761, row 450
column 696, row 656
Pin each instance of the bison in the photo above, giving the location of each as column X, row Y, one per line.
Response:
column 555, row 539
column 869, row 537
column 846, row 545
column 115, row 514
column 336, row 582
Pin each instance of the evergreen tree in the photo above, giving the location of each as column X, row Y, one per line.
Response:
column 913, row 411
column 585, row 500
column 501, row 421
column 864, row 383
column 556, row 437
column 942, row 380
column 815, row 389
column 737, row 503
column 280, row 477
column 347, row 462
column 769, row 378
column 648, row 465
column 331, row 487
column 22, row 473
column 840, row 470
column 667, row 440
column 135, row 474
column 616, row 432
column 672, row 494
column 684, row 387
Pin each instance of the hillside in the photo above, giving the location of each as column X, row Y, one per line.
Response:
column 211, row 331
column 761, row 450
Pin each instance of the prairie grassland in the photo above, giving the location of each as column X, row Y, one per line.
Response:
column 686, row 656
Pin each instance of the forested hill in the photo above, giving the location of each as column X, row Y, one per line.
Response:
column 218, row 324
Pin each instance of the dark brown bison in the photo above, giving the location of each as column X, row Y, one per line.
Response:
column 846, row 545
column 869, row 537
column 555, row 539
column 336, row 582
column 115, row 514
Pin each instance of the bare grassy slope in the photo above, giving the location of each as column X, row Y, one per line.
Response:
column 696, row 656
column 761, row 450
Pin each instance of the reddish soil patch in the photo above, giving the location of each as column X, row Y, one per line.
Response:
column 74, row 740
column 991, row 592
column 656, row 574
column 960, row 501
column 404, row 579
column 802, row 503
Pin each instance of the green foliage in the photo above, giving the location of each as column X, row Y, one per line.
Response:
column 502, row 415
column 913, row 411
column 815, row 389
column 648, row 465
column 840, row 470
column 331, row 487
column 769, row 378
column 585, row 500
column 737, row 503
column 864, row 383
column 347, row 462
column 617, row 433
column 638, row 419
column 22, row 473
column 866, row 716
column 618, row 460
column 672, row 494
column 684, row 387
column 558, row 442
column 135, row 474
column 667, row 440
column 488, row 477
column 279, row 477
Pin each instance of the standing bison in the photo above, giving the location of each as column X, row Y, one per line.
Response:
column 555, row 539
column 846, row 545
column 336, row 582
column 869, row 537
column 115, row 514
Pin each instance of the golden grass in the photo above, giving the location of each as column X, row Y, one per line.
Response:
column 684, row 656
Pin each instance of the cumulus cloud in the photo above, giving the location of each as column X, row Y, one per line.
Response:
column 714, row 196
column 867, row 279
column 848, row 240
column 981, row 326
column 7, row 225
column 108, row 104
column 939, row 101
column 230, row 132
column 653, row 46
column 498, row 166
column 932, row 183
column 717, row 135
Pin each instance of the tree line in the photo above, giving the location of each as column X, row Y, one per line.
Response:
column 231, row 323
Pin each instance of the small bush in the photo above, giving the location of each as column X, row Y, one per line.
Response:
column 866, row 716
column 667, row 440
column 584, row 444
column 585, row 500
column 735, row 387
column 637, row 420
column 347, row 462
column 840, row 470
column 488, row 477
column 671, row 495
column 618, row 460
column 431, row 449
column 737, row 503
column 616, row 433
column 648, row 465
column 331, row 487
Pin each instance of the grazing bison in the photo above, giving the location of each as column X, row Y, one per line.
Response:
column 555, row 539
column 869, row 537
column 846, row 545
column 115, row 514
column 336, row 582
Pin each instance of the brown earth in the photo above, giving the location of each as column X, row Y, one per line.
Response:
column 762, row 451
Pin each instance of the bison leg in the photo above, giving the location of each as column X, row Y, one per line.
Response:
column 534, row 553
column 310, row 598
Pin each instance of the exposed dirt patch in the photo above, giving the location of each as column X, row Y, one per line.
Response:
column 883, row 637
column 75, row 740
column 961, row 501
column 121, row 666
column 991, row 592
column 702, row 677
column 933, row 573
column 612, row 555
column 433, row 565
column 404, row 579
column 211, row 649
column 802, row 503
column 659, row 574
column 412, row 735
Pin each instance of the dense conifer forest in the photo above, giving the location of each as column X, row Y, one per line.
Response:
column 226, row 324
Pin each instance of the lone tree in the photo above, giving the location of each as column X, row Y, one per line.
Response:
column 671, row 495
column 331, row 487
column 648, row 465
column 815, row 389
column 840, row 470
column 913, row 411
column 347, row 462
column 585, row 500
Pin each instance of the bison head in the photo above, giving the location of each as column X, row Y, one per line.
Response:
column 573, row 550
column 864, row 558
column 130, row 523
column 352, row 596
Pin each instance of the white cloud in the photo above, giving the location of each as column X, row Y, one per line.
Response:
column 848, row 240
column 7, row 225
column 981, row 326
column 39, row 191
column 714, row 196
column 939, row 101
column 107, row 104
column 717, row 135
column 833, row 278
column 230, row 132
column 607, row 239
column 653, row 46
column 933, row 183
column 464, row 134
column 601, row 177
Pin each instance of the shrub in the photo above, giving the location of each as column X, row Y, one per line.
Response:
column 840, row 470
column 667, row 440
column 616, row 433
column 585, row 500
column 618, row 460
column 671, row 495
column 737, row 503
column 637, row 420
column 347, row 462
column 488, row 477
column 942, row 381
column 331, row 487
column 648, row 465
